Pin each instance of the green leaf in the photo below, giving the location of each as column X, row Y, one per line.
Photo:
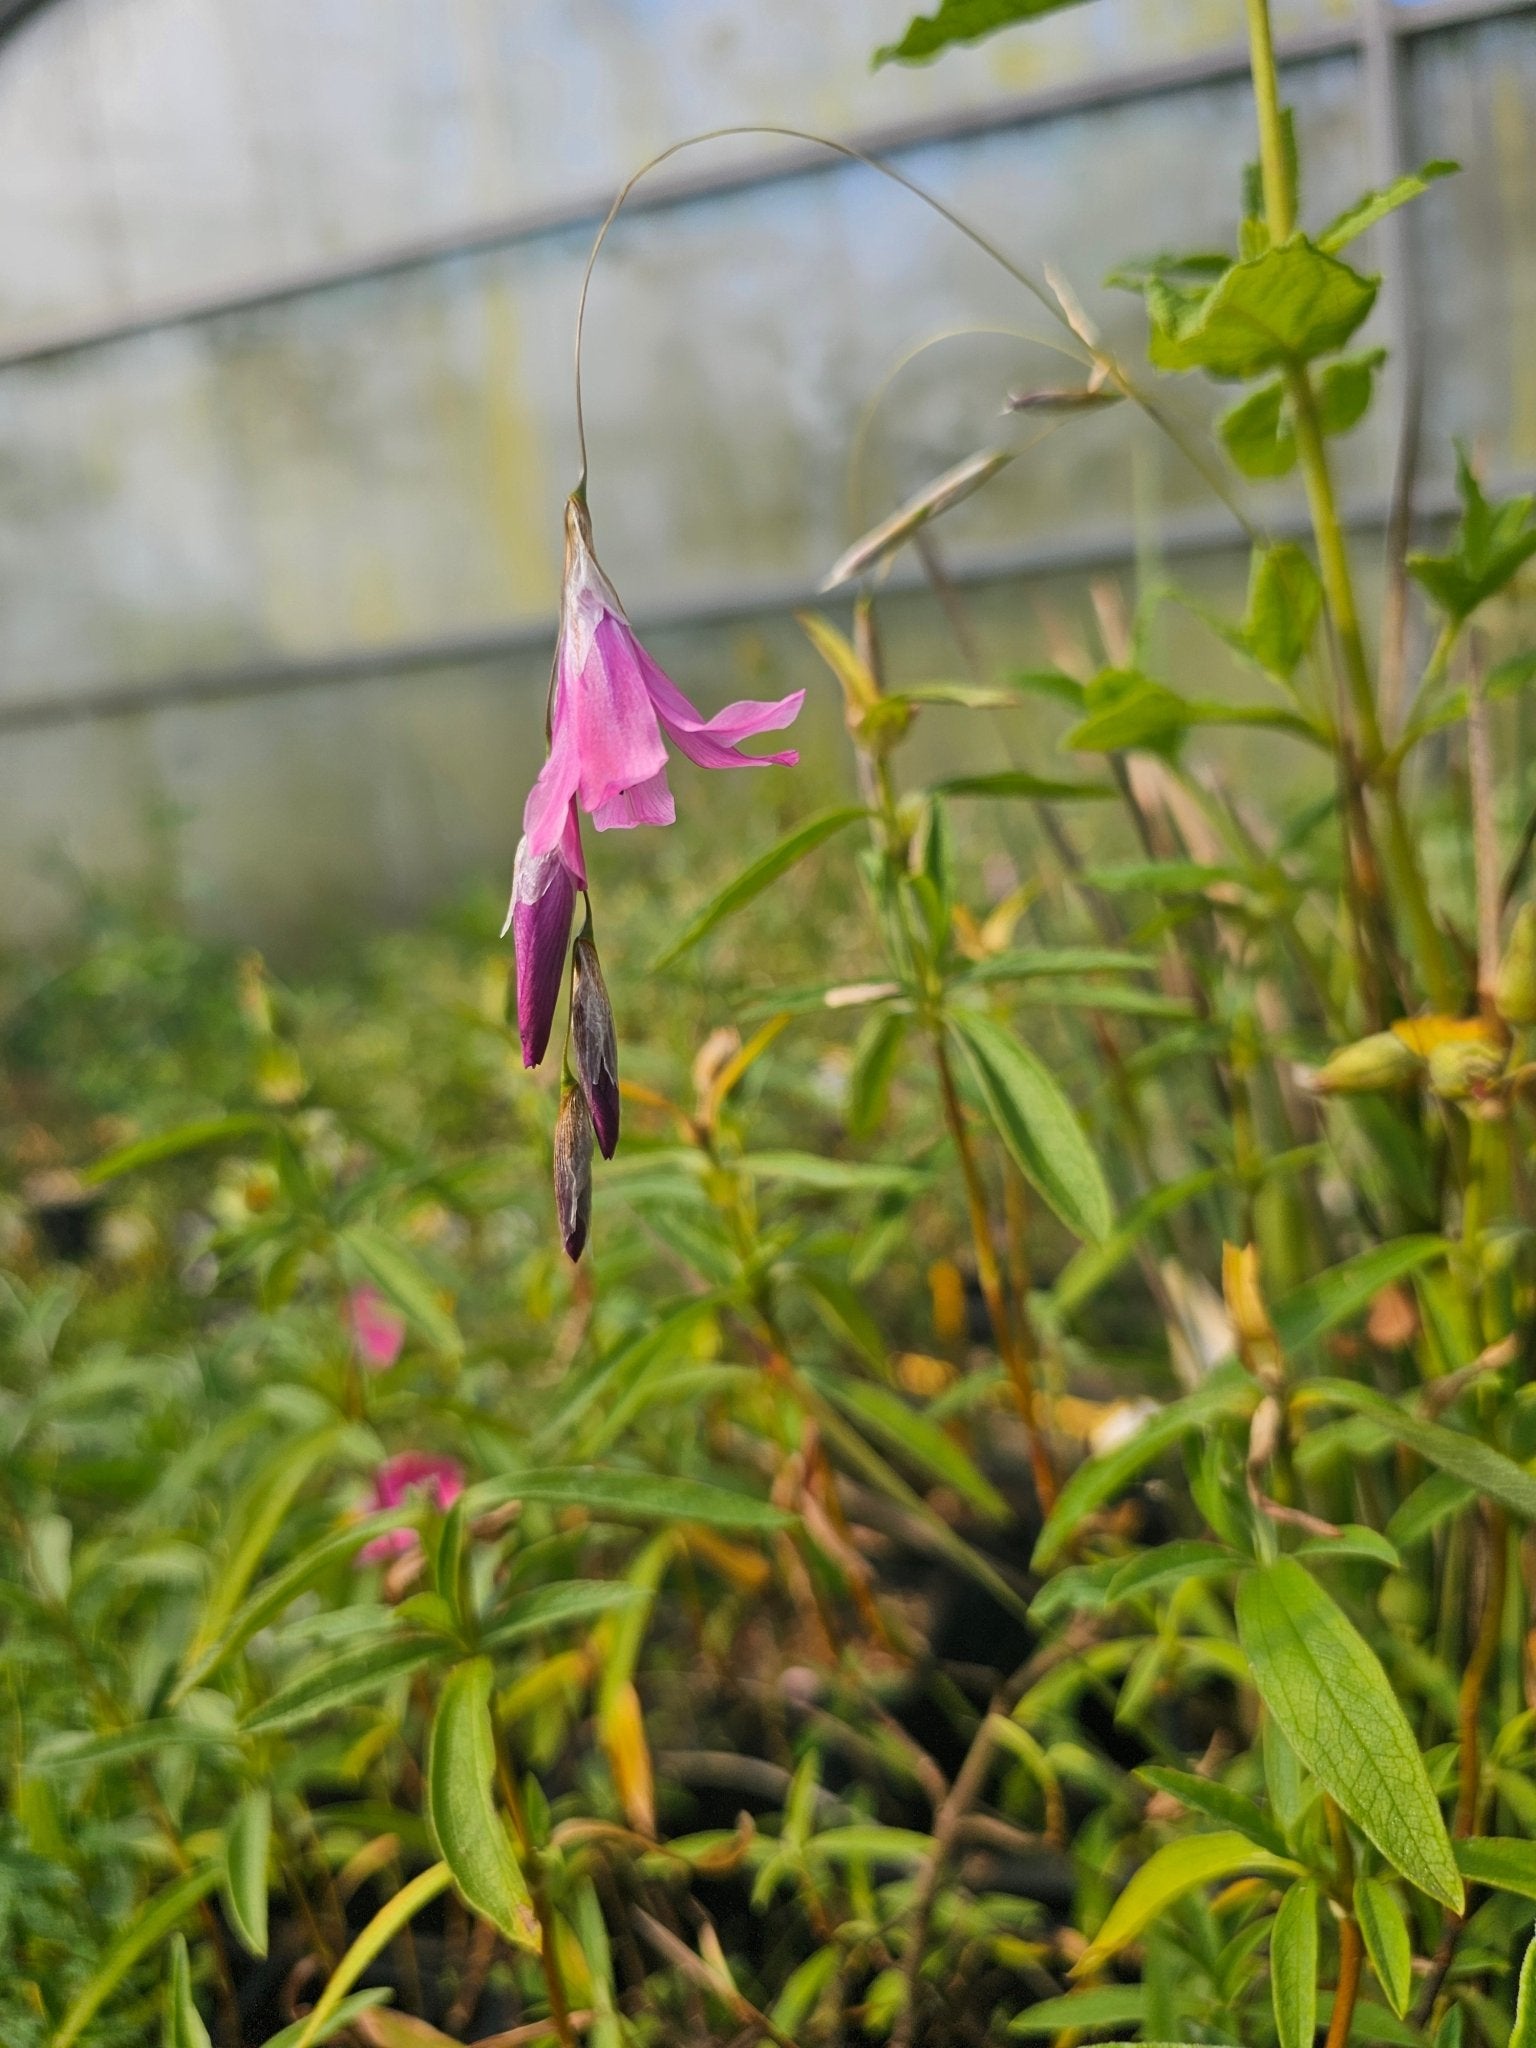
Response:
column 341, row 2016
column 1227, row 1391
column 631, row 1496
column 1490, row 545
column 1257, row 434
column 1464, row 1457
column 1170, row 1565
column 962, row 21
column 556, row 1606
column 1037, row 1124
column 1102, row 2005
column 1285, row 602
column 1354, row 1540
column 1374, row 206
column 118, row 1745
column 1165, row 1877
column 397, row 1272
column 865, row 1842
column 1523, row 2033
column 1345, row 1291
column 253, row 1520
column 1009, row 782
column 183, row 2022
column 1091, row 1266
column 753, row 880
column 193, row 1137
column 1293, row 1967
column 1387, row 1940
column 1336, row 1707
column 1426, row 1508
column 875, row 1059
column 343, row 1678
column 1505, row 1862
column 1272, row 311
column 296, row 1577
column 1344, row 390
column 395, row 1913
column 245, row 1869
column 1217, row 1802
column 155, row 1919
column 834, row 1176
column 470, row 1834
column 908, row 1429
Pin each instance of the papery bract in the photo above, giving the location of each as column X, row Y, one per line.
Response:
column 594, row 1044
column 611, row 707
column 411, row 1473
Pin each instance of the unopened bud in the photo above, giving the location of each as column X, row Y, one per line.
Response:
column 1514, row 987
column 573, row 1172
column 1244, row 1297
column 594, row 1047
column 1466, row 1068
column 1380, row 1061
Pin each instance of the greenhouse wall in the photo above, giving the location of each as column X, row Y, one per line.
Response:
column 286, row 301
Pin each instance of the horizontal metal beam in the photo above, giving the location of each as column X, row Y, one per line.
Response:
column 761, row 168
column 1189, row 534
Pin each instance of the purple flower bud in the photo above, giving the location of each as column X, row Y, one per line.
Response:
column 573, row 1172
column 594, row 1047
column 539, row 915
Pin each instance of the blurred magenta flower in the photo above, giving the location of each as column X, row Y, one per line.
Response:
column 378, row 1331
column 539, row 917
column 412, row 1473
column 611, row 706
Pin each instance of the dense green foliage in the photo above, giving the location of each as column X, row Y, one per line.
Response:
column 1018, row 1527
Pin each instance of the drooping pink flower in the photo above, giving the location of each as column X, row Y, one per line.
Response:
column 539, row 917
column 412, row 1474
column 612, row 705
column 378, row 1331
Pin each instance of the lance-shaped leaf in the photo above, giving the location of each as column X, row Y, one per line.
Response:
column 927, row 504
column 1293, row 1967
column 184, row 2026
column 1523, row 2033
column 245, row 1869
column 1037, row 1124
column 340, row 1680
column 1165, row 1877
column 1335, row 1705
column 1387, row 1940
column 630, row 1496
column 1502, row 1861
column 754, row 879
column 395, row 1913
column 1228, row 1391
column 962, row 21
column 1464, row 1457
column 1491, row 544
column 1374, row 206
column 461, row 1810
column 155, row 1919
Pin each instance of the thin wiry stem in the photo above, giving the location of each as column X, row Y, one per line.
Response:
column 1037, row 291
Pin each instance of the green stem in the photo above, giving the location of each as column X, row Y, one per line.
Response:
column 1399, row 857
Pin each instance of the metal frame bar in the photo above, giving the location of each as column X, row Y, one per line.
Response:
column 767, row 167
column 1373, row 39
column 1189, row 534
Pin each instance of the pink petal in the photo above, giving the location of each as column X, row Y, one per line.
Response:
column 618, row 742
column 710, row 742
column 648, row 803
column 378, row 1332
column 547, row 813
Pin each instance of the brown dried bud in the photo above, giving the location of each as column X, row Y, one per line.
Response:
column 573, row 1171
column 1514, row 987
column 594, row 1045
column 1380, row 1061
